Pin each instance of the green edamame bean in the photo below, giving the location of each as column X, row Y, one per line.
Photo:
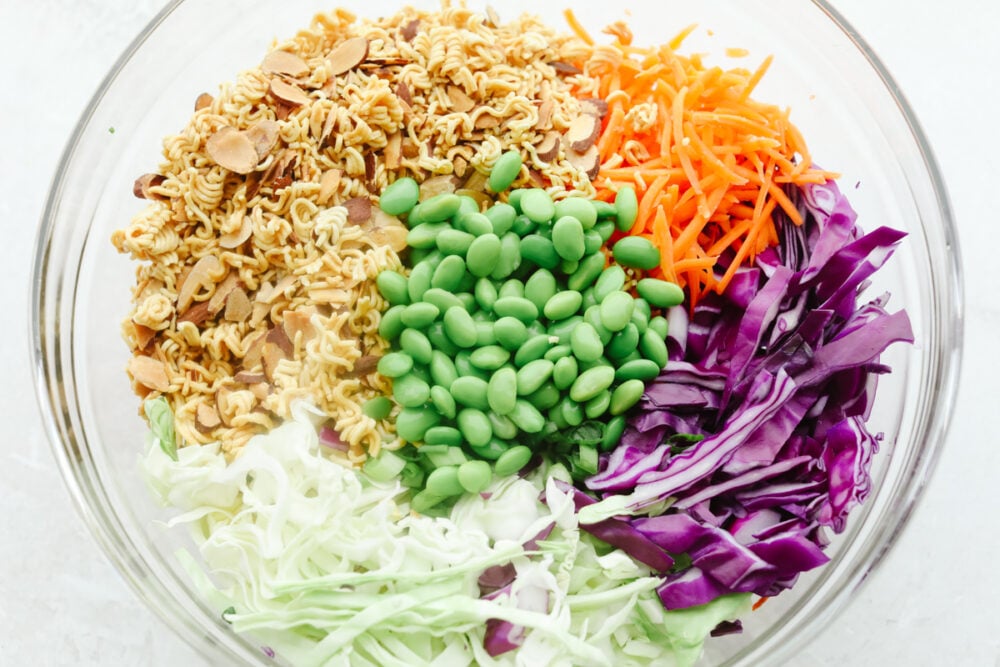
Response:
column 571, row 412
column 606, row 228
column 512, row 287
column 512, row 461
column 588, row 299
column 449, row 273
column 377, row 408
column 586, row 272
column 502, row 217
column 585, row 342
column 410, row 391
column 540, row 287
column 485, row 334
column 468, row 205
column 476, row 223
column 475, row 476
column 420, row 281
column 592, row 316
column 501, row 392
column 569, row 267
column 463, row 364
column 537, row 205
column 591, row 382
column 612, row 279
column 503, row 427
column 517, row 307
column 471, row 392
column 468, row 301
column 400, row 196
column 392, row 286
column 660, row 293
column 510, row 256
column 533, row 375
column 626, row 395
column 483, row 255
column 417, row 345
column 604, row 209
column 557, row 352
column 505, row 171
column 561, row 330
column 422, row 372
column 443, row 299
column 540, row 251
column 439, row 339
column 613, row 433
column 639, row 319
column 454, row 241
column 527, row 417
column 626, row 208
column 489, row 357
column 514, row 199
column 460, row 327
column 523, row 225
column 425, row 236
column 443, row 435
column 637, row 252
column 624, row 342
column 592, row 242
column 415, row 218
column 425, row 501
column 391, row 324
column 475, row 427
column 642, row 306
column 653, row 347
column 598, row 405
column 443, row 401
column 510, row 332
column 486, row 293
column 534, row 348
column 579, row 208
column 395, row 364
column 468, row 283
column 440, row 207
column 546, row 396
column 616, row 310
column 638, row 369
column 564, row 372
column 412, row 423
column 419, row 315
column 443, row 481
column 492, row 450
column 567, row 238
column 660, row 326
column 562, row 305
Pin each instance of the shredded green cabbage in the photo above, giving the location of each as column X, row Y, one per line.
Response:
column 329, row 567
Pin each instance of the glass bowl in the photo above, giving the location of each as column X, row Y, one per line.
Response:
column 846, row 104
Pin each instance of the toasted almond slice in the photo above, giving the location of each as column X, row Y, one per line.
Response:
column 475, row 181
column 206, row 418
column 222, row 290
column 370, row 171
column 329, row 295
column 460, row 165
column 493, row 20
column 410, row 148
column 204, row 272
column 239, row 236
column 264, row 135
column 260, row 390
column 142, row 185
column 437, row 185
column 197, row 314
column 386, row 229
column 393, row 150
column 270, row 356
column 299, row 321
column 283, row 62
column 548, row 148
column 583, row 132
column 203, row 101
column 359, row 209
column 222, row 400
column 588, row 162
column 328, row 184
column 486, row 121
column 481, row 197
column 231, row 149
column 288, row 93
column 594, row 106
column 347, row 55
column 246, row 377
column 460, row 101
column 251, row 360
column 149, row 372
column 403, row 93
column 565, row 68
column 409, row 30
column 238, row 307
column 143, row 335
column 545, row 114
column 365, row 365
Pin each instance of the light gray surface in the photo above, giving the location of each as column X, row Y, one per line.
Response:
column 62, row 603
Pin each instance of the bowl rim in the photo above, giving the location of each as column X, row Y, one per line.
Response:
column 137, row 573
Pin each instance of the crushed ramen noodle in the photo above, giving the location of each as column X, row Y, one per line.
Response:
column 262, row 239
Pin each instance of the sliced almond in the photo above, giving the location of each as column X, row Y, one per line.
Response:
column 270, row 356
column 203, row 101
column 410, row 148
column 365, row 365
column 206, row 418
column 283, row 62
column 149, row 372
column 460, row 165
column 264, row 135
column 251, row 359
column 409, row 30
column 281, row 287
column 460, row 101
column 370, row 171
column 347, row 55
column 492, row 19
column 594, row 106
column 387, row 230
column 197, row 314
column 437, row 185
column 475, row 181
column 238, row 306
column 261, row 389
column 222, row 400
column 204, row 272
column 231, row 149
column 486, row 121
column 238, row 237
column 143, row 335
column 222, row 291
column 279, row 173
column 583, row 132
column 299, row 321
column 403, row 93
column 329, row 295
column 545, row 109
column 393, row 151
column 253, row 182
column 246, row 377
column 536, row 178
column 328, row 184
column 588, row 162
column 548, row 148
column 142, row 185
column 359, row 209
column 328, row 125
column 278, row 336
column 564, row 67
column 288, row 93
column 481, row 197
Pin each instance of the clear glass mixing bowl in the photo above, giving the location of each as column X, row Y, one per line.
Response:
column 846, row 104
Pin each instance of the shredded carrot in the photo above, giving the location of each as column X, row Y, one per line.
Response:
column 760, row 603
column 709, row 171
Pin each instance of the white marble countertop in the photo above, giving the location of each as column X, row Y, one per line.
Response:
column 62, row 603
